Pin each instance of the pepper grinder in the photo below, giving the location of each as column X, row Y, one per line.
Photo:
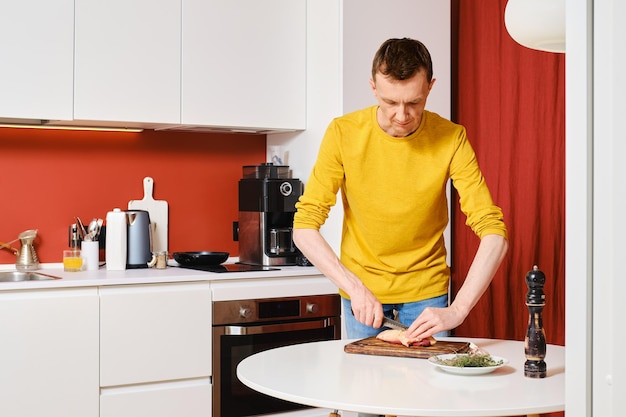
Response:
column 535, row 341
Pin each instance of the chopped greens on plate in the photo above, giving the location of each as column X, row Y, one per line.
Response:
column 470, row 360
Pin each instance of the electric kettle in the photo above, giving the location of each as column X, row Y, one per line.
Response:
column 139, row 239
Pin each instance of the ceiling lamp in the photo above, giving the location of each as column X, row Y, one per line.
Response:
column 537, row 24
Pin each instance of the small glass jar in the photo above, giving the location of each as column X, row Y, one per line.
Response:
column 159, row 260
column 72, row 260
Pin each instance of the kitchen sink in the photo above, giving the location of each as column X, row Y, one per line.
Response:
column 15, row 276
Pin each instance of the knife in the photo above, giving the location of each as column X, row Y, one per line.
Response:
column 392, row 324
column 396, row 325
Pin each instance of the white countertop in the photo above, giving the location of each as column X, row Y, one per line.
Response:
column 321, row 374
column 171, row 274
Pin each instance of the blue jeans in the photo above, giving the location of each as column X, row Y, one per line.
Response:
column 407, row 313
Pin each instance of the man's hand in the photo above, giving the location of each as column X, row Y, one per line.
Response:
column 366, row 308
column 490, row 253
column 434, row 320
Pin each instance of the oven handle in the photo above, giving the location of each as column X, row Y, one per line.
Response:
column 278, row 328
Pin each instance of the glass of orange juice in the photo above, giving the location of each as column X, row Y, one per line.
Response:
column 72, row 260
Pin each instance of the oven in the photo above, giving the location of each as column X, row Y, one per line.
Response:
column 244, row 327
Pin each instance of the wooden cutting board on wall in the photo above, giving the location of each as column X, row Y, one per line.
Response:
column 159, row 215
column 374, row 346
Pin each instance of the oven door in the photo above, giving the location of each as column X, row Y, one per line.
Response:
column 232, row 344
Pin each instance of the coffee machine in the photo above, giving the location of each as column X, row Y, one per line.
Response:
column 267, row 203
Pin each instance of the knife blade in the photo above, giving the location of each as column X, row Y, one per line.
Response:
column 394, row 324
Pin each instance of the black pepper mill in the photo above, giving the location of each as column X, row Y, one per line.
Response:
column 535, row 342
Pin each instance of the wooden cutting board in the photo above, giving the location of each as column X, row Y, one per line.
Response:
column 374, row 346
column 159, row 214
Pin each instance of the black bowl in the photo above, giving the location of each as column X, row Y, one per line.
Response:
column 200, row 258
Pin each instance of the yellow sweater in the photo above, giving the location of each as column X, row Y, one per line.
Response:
column 394, row 199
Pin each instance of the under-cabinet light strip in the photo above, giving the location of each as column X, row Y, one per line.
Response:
column 100, row 129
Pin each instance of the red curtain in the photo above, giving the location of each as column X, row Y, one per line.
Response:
column 511, row 99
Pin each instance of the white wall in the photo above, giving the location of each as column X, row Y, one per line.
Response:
column 609, row 199
column 595, row 148
column 367, row 23
column 578, row 211
column 342, row 37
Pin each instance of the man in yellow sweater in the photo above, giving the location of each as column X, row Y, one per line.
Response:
column 392, row 162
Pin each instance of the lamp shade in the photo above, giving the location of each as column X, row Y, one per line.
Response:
column 537, row 24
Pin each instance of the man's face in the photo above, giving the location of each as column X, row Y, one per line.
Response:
column 401, row 102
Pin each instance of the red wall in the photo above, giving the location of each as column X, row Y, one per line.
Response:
column 51, row 176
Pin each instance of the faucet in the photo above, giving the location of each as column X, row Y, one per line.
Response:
column 26, row 256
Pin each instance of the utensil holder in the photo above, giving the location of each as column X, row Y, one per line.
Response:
column 90, row 252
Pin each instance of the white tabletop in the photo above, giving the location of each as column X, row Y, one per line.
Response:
column 321, row 374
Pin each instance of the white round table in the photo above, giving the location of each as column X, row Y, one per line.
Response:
column 321, row 374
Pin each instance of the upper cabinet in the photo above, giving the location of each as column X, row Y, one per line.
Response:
column 36, row 49
column 243, row 63
column 127, row 61
column 172, row 64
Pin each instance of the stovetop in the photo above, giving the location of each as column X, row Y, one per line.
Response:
column 229, row 268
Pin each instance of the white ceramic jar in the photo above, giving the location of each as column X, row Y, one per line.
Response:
column 115, row 247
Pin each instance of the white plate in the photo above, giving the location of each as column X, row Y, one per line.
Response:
column 467, row 370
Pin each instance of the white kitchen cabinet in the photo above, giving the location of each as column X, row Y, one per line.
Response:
column 49, row 353
column 232, row 64
column 37, row 51
column 244, row 64
column 152, row 333
column 127, row 61
column 174, row 399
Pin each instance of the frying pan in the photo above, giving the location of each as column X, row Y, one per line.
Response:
column 200, row 258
